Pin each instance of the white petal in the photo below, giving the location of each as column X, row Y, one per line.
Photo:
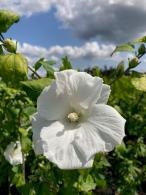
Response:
column 84, row 89
column 110, row 125
column 37, row 124
column 104, row 95
column 103, row 130
column 51, row 105
column 62, row 79
column 13, row 153
column 88, row 141
column 56, row 143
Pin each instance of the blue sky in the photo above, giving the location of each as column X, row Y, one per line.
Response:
column 86, row 31
column 43, row 29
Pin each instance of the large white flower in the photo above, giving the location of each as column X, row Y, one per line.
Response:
column 13, row 153
column 73, row 122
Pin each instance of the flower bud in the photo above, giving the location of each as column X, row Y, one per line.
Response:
column 142, row 50
column 13, row 68
column 120, row 69
column 7, row 19
column 133, row 63
column 10, row 45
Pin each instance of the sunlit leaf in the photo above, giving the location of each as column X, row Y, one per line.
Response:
column 140, row 83
column 33, row 88
column 124, row 48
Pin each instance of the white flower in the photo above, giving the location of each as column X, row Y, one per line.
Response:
column 13, row 153
column 73, row 122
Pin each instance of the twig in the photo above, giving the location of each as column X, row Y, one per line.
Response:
column 23, row 166
column 2, row 36
column 23, row 157
column 32, row 70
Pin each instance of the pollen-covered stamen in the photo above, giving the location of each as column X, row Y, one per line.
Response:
column 73, row 117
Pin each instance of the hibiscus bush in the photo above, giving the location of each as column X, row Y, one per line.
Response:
column 59, row 136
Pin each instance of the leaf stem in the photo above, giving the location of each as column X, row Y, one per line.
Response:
column 34, row 72
column 2, row 37
column 23, row 165
column 23, row 155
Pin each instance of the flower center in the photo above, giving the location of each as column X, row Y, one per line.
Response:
column 73, row 117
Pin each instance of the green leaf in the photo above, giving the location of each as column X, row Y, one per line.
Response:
column 124, row 48
column 65, row 64
column 23, row 131
column 85, row 183
column 26, row 189
column 18, row 179
column 140, row 83
column 46, row 65
column 26, row 144
column 38, row 64
column 33, row 88
column 7, row 19
column 50, row 62
column 44, row 189
column 142, row 49
column 139, row 40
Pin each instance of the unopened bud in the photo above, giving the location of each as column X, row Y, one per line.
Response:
column 120, row 69
column 133, row 63
column 10, row 45
column 13, row 68
column 142, row 50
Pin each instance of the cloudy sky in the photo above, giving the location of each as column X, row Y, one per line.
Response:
column 85, row 30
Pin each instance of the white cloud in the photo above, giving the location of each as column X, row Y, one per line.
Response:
column 111, row 20
column 26, row 7
column 90, row 50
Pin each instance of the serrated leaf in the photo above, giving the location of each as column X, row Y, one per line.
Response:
column 124, row 48
column 33, row 88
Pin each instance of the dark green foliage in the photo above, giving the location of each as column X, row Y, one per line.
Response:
column 33, row 88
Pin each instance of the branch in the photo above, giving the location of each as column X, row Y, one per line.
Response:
column 2, row 37
column 32, row 70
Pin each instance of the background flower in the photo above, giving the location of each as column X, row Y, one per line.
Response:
column 13, row 153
